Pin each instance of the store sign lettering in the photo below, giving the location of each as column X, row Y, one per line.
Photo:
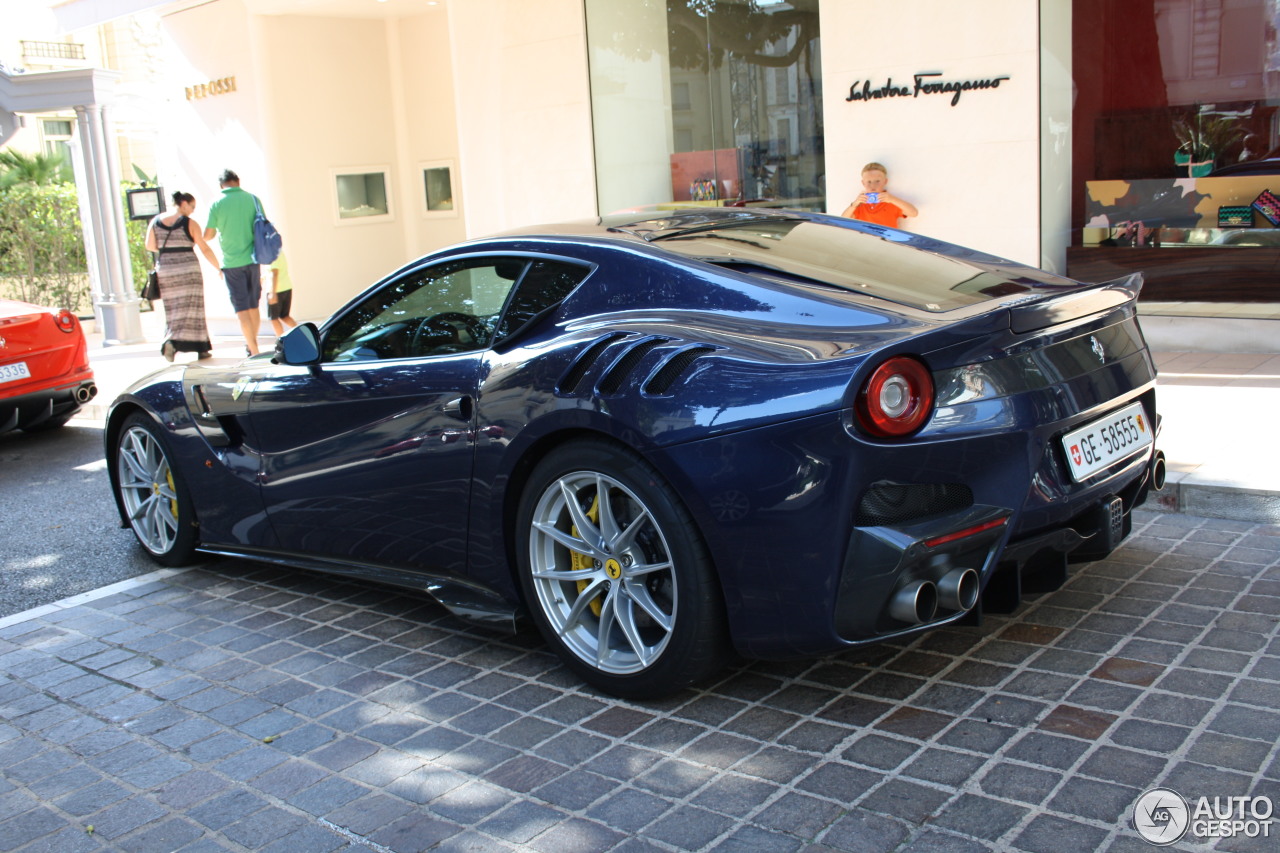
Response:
column 221, row 86
column 925, row 84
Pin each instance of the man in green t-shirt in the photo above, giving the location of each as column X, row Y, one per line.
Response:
column 233, row 216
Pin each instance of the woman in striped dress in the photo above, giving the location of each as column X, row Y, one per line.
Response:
column 175, row 239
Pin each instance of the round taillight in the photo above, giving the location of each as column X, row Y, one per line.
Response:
column 66, row 320
column 897, row 399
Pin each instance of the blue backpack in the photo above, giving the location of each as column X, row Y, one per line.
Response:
column 267, row 241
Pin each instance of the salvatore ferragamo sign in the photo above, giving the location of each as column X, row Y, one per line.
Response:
column 925, row 83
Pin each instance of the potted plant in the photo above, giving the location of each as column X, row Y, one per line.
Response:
column 1201, row 138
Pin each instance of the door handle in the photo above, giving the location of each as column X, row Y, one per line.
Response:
column 460, row 408
column 206, row 411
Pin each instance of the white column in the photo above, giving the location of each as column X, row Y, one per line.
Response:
column 116, row 303
column 115, row 192
column 80, row 161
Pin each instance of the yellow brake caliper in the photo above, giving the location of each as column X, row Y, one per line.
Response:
column 155, row 490
column 173, row 502
column 580, row 562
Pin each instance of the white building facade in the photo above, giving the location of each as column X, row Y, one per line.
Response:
column 377, row 131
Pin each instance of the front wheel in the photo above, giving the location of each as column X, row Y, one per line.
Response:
column 616, row 574
column 154, row 498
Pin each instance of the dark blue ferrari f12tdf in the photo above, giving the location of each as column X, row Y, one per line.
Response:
column 670, row 438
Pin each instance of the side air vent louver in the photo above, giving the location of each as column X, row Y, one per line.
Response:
column 674, row 368
column 573, row 376
column 618, row 374
column 896, row 503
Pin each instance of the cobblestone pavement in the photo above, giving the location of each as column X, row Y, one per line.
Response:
column 239, row 707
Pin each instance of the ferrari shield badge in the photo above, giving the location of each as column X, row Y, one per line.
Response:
column 242, row 385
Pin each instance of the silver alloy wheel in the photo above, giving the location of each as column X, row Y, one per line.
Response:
column 147, row 490
column 602, row 572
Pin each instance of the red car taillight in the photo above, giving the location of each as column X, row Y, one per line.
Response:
column 897, row 399
column 66, row 320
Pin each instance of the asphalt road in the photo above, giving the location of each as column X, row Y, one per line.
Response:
column 59, row 533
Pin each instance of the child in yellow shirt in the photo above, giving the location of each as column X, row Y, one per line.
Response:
column 280, row 296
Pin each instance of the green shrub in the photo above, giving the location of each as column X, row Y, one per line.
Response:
column 42, row 258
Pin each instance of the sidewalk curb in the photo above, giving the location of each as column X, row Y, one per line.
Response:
column 1232, row 502
column 86, row 597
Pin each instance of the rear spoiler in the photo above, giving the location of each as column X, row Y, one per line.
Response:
column 1035, row 313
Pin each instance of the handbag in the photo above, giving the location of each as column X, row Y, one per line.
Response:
column 1235, row 216
column 1269, row 206
column 267, row 241
column 151, row 291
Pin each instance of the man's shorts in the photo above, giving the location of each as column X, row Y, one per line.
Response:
column 245, row 286
column 279, row 309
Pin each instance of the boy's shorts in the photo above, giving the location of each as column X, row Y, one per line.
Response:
column 245, row 286
column 279, row 309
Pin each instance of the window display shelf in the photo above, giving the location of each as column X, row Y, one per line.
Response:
column 1169, row 238
column 1220, row 238
column 1184, row 272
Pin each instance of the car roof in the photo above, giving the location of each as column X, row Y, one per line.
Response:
column 857, row 257
column 655, row 225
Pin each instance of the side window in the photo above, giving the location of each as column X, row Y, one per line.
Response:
column 448, row 308
column 544, row 286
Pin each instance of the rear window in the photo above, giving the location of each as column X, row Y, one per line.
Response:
column 857, row 262
column 544, row 286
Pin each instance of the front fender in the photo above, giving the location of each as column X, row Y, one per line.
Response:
column 222, row 481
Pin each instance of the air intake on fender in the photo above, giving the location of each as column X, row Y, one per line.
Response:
column 618, row 374
column 573, row 376
column 675, row 368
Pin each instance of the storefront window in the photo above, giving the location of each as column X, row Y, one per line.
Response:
column 706, row 102
column 1176, row 138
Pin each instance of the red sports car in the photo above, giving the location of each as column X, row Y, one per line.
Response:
column 44, row 367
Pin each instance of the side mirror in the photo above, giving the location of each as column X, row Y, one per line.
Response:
column 300, row 346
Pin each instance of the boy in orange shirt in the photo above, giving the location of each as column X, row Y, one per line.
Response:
column 875, row 203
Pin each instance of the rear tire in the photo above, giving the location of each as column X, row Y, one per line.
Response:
column 155, row 498
column 622, row 588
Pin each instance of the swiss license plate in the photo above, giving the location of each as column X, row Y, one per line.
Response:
column 13, row 372
column 1098, row 444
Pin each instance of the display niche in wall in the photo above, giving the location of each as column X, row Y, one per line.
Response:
column 437, row 189
column 362, row 194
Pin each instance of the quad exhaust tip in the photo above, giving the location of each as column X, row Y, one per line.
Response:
column 918, row 601
column 1157, row 470
column 958, row 589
